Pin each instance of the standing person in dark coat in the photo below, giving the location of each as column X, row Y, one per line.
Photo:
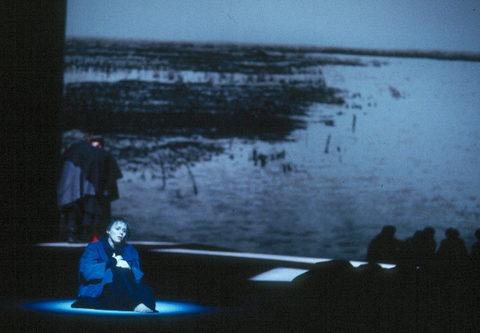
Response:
column 110, row 274
column 384, row 247
column 87, row 185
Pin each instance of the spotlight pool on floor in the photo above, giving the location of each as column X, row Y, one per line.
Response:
column 164, row 308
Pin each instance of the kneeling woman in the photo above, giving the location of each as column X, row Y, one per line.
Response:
column 110, row 274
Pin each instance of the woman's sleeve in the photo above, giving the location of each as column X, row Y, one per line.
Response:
column 92, row 267
column 134, row 262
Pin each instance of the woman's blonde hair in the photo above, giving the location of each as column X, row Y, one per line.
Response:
column 119, row 220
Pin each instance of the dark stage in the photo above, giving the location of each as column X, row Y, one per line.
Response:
column 200, row 289
column 224, row 292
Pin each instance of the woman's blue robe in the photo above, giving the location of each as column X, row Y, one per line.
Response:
column 101, row 281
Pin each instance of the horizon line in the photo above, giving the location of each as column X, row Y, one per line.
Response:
column 396, row 53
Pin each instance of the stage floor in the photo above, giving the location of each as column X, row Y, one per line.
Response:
column 204, row 289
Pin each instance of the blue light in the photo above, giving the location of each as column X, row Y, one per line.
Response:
column 164, row 308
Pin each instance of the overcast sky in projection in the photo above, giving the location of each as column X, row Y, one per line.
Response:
column 380, row 24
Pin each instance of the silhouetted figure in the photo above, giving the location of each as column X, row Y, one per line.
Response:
column 455, row 277
column 326, row 284
column 408, row 256
column 475, row 253
column 281, row 155
column 426, row 248
column 254, row 156
column 384, row 247
column 286, row 167
column 419, row 250
column 87, row 185
column 453, row 251
column 263, row 160
column 475, row 258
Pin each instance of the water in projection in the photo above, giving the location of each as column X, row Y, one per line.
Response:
column 279, row 150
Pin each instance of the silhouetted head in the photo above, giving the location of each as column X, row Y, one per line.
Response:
column 95, row 140
column 429, row 232
column 452, row 233
column 389, row 230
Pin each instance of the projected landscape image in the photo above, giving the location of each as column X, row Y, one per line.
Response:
column 278, row 149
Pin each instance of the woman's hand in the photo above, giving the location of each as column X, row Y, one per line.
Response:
column 118, row 258
column 121, row 262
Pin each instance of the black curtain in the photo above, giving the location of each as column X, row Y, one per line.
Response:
column 32, row 80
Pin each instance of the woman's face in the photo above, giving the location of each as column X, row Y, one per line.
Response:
column 117, row 232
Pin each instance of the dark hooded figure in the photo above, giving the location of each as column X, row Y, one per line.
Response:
column 384, row 247
column 87, row 185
